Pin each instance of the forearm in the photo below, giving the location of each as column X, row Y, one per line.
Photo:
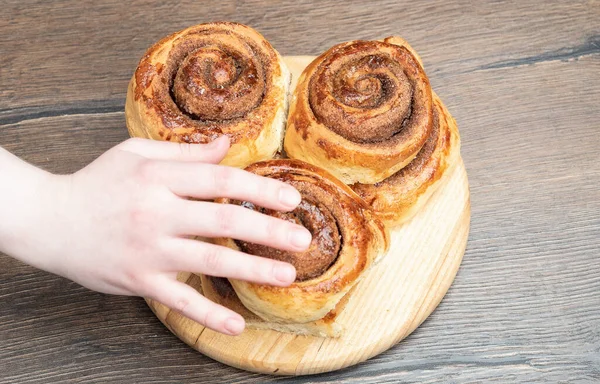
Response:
column 24, row 209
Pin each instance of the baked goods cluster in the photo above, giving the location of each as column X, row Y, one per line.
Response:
column 367, row 143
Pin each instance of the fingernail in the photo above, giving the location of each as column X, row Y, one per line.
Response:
column 284, row 273
column 216, row 142
column 301, row 238
column 234, row 326
column 289, row 196
column 213, row 143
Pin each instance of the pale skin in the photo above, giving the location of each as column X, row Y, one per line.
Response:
column 123, row 224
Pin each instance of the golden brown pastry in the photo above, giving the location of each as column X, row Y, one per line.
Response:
column 347, row 239
column 210, row 80
column 362, row 110
column 220, row 291
column 399, row 197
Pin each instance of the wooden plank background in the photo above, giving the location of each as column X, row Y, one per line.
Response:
column 521, row 78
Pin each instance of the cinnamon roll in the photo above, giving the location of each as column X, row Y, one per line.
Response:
column 362, row 110
column 210, row 80
column 347, row 239
column 399, row 197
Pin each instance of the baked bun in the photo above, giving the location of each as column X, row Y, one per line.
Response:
column 211, row 80
column 362, row 110
column 347, row 239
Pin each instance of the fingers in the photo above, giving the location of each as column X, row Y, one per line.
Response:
column 187, row 301
column 184, row 170
column 200, row 257
column 212, row 152
column 207, row 181
column 226, row 220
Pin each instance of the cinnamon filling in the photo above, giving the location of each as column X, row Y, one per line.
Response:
column 367, row 91
column 217, row 84
column 314, row 215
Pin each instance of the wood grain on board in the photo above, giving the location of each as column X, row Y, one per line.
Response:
column 521, row 79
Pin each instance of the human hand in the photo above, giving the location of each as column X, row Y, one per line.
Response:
column 123, row 225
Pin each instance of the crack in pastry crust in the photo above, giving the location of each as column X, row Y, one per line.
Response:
column 400, row 196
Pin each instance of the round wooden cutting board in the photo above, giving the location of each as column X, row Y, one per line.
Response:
column 393, row 299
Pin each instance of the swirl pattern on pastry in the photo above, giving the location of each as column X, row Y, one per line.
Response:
column 362, row 110
column 399, row 197
column 347, row 239
column 211, row 80
column 314, row 215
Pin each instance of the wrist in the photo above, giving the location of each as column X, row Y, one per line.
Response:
column 28, row 200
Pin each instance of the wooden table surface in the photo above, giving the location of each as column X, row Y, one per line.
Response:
column 521, row 78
